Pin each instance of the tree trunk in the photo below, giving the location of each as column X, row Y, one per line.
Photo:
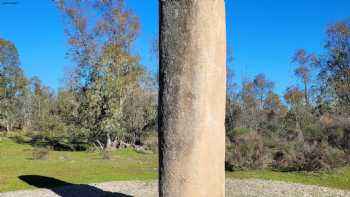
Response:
column 109, row 142
column 192, row 98
column 306, row 94
column 7, row 127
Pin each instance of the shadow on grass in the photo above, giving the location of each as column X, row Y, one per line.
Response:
column 64, row 189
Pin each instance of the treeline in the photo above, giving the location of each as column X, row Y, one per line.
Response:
column 108, row 99
column 308, row 128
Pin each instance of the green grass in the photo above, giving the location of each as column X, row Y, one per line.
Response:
column 72, row 167
column 84, row 167
column 339, row 178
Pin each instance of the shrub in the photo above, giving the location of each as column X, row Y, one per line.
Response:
column 22, row 139
column 313, row 148
column 313, row 133
column 308, row 157
column 151, row 142
column 61, row 143
column 335, row 136
column 234, row 133
column 247, row 151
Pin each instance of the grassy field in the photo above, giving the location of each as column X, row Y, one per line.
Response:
column 83, row 167
column 72, row 167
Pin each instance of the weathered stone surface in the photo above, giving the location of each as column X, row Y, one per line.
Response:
column 192, row 98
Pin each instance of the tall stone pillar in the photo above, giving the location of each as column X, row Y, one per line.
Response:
column 192, row 98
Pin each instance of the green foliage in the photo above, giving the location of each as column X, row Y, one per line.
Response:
column 313, row 132
column 234, row 133
column 241, row 131
column 61, row 143
column 22, row 139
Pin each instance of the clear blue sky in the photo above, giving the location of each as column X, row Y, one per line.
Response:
column 264, row 34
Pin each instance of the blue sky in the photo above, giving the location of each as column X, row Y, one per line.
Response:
column 263, row 34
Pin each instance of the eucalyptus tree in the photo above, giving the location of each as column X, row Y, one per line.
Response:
column 12, row 86
column 106, row 71
column 336, row 65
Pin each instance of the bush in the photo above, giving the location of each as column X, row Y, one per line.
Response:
column 313, row 133
column 335, row 136
column 306, row 157
column 61, row 143
column 151, row 142
column 234, row 133
column 289, row 150
column 247, row 151
column 22, row 139
column 40, row 153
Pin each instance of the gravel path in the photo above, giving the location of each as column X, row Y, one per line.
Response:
column 234, row 188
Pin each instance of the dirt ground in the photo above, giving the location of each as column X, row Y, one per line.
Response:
column 234, row 188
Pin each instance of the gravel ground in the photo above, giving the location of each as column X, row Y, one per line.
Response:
column 234, row 188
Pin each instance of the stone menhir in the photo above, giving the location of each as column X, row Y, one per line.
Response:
column 192, row 98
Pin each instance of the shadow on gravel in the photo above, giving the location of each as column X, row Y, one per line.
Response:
column 65, row 189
